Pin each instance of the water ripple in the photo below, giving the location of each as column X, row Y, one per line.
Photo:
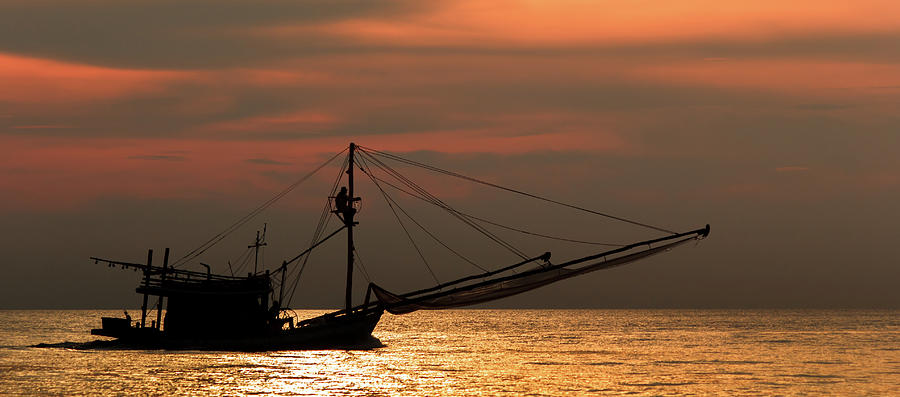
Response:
column 489, row 352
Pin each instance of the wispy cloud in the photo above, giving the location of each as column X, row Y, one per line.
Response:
column 40, row 127
column 823, row 106
column 160, row 157
column 726, row 84
column 45, row 81
column 266, row 161
column 792, row 168
column 302, row 122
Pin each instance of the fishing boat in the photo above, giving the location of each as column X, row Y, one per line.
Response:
column 205, row 310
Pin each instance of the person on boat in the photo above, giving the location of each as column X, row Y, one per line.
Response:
column 127, row 317
column 274, row 321
column 275, row 309
column 342, row 203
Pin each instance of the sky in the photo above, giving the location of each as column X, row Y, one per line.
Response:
column 146, row 124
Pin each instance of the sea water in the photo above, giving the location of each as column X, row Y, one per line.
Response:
column 490, row 352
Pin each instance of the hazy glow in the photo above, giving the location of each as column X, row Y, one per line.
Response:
column 496, row 352
column 37, row 81
column 758, row 116
column 65, row 172
column 577, row 22
column 790, row 76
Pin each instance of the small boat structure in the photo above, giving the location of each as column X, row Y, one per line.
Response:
column 204, row 310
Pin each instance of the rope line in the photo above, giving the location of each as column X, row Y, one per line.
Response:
column 246, row 218
column 322, row 225
column 439, row 241
column 480, row 219
column 438, row 202
column 359, row 264
column 471, row 179
column 405, row 230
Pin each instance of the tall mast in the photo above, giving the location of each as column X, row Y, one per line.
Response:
column 348, row 220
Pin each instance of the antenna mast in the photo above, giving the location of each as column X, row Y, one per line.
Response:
column 256, row 245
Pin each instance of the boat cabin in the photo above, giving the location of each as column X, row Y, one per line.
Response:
column 198, row 305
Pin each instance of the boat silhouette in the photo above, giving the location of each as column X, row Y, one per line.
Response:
column 204, row 310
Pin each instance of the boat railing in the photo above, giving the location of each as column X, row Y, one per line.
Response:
column 156, row 282
column 181, row 274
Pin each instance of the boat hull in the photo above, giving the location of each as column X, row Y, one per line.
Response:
column 331, row 331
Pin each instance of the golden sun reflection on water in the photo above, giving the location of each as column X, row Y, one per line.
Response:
column 501, row 352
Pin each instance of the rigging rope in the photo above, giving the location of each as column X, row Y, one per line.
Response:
column 375, row 180
column 360, row 266
column 409, row 236
column 324, row 219
column 243, row 260
column 296, row 277
column 502, row 225
column 246, row 218
column 438, row 202
column 471, row 179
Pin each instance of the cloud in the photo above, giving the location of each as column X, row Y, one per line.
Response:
column 265, row 161
column 291, row 70
column 577, row 23
column 240, row 34
column 27, row 80
column 823, row 106
column 792, row 168
column 55, row 173
column 49, row 172
column 303, row 122
column 163, row 157
column 40, row 127
column 757, row 117
column 453, row 78
column 783, row 75
column 168, row 34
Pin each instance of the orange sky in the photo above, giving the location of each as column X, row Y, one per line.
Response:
column 633, row 102
column 512, row 77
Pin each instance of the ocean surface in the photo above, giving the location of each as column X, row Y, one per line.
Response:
column 490, row 352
